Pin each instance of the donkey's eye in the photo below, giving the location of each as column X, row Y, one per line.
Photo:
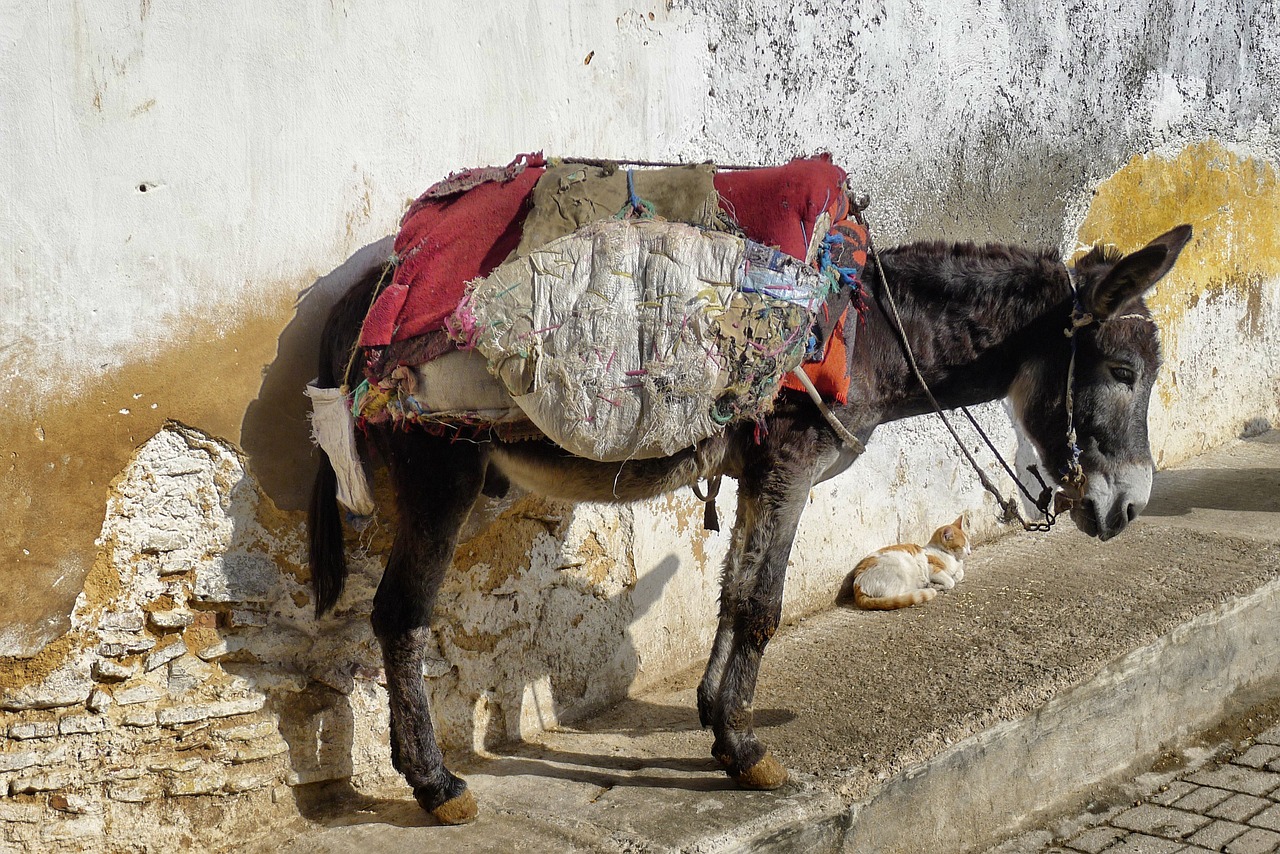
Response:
column 1123, row 374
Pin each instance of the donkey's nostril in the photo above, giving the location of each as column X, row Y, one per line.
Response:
column 1131, row 511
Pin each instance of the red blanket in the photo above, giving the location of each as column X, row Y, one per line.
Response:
column 459, row 230
column 779, row 205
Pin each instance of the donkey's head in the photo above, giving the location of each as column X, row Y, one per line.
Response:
column 1116, row 356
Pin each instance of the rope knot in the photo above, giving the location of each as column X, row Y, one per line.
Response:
column 1079, row 319
column 635, row 206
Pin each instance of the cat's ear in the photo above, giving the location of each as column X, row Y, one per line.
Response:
column 947, row 534
column 959, row 522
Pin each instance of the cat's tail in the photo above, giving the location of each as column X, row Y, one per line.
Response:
column 887, row 603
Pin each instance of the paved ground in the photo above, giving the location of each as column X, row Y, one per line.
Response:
column 1226, row 800
column 1059, row 668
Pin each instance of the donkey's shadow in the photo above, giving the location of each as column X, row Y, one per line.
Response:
column 276, row 430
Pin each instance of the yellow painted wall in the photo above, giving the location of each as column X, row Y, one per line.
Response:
column 1231, row 266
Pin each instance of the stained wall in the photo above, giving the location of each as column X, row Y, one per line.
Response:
column 188, row 187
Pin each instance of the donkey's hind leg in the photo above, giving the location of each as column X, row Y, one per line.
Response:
column 436, row 483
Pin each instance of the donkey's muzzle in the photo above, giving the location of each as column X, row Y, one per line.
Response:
column 1110, row 503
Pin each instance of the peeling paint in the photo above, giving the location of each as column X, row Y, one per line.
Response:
column 1220, row 305
column 54, row 490
column 1233, row 202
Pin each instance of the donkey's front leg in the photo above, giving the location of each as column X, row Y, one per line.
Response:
column 436, row 484
column 769, row 507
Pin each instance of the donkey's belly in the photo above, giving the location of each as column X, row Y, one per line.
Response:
column 547, row 470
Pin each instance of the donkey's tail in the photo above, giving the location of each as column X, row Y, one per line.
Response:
column 324, row 524
column 338, row 341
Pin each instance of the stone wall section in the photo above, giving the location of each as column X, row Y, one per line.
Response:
column 196, row 692
column 157, row 692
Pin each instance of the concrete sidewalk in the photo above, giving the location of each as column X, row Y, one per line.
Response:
column 1060, row 663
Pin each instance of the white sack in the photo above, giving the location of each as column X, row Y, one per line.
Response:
column 333, row 429
column 636, row 338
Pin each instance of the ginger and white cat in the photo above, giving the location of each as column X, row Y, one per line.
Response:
column 906, row 574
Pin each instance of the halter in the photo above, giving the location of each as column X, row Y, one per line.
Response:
column 1080, row 319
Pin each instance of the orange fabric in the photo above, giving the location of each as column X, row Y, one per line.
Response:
column 830, row 376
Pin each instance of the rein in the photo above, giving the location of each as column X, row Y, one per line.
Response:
column 1010, row 511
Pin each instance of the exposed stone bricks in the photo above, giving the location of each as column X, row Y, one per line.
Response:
column 40, row 729
column 170, row 620
column 163, row 655
column 145, row 707
column 73, row 724
column 139, row 718
column 106, row 670
column 223, row 709
column 196, row 676
column 17, row 761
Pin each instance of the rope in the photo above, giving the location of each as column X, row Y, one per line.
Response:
column 1008, row 506
column 850, row 440
column 1079, row 320
column 355, row 347
column 635, row 206
column 1046, row 491
column 603, row 163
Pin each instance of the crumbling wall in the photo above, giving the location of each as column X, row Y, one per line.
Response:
column 195, row 667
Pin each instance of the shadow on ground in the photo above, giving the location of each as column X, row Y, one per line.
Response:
column 1177, row 493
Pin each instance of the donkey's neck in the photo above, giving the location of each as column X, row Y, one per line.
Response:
column 972, row 315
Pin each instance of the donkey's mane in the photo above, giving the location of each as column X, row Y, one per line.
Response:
column 1100, row 254
column 941, row 272
column 998, row 254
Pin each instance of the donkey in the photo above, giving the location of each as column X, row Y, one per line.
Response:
column 983, row 322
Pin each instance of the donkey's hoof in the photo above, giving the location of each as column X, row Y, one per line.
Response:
column 768, row 773
column 461, row 809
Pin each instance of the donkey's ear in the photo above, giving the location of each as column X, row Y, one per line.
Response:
column 1135, row 274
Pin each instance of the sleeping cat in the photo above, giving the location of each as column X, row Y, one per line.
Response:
column 907, row 574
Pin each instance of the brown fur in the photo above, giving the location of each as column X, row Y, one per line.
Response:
column 459, row 810
column 766, row 774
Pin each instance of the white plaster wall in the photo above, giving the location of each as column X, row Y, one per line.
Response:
column 275, row 140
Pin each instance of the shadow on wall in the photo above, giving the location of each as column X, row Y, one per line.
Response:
column 512, row 676
column 198, row 668
column 535, row 632
column 276, row 432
